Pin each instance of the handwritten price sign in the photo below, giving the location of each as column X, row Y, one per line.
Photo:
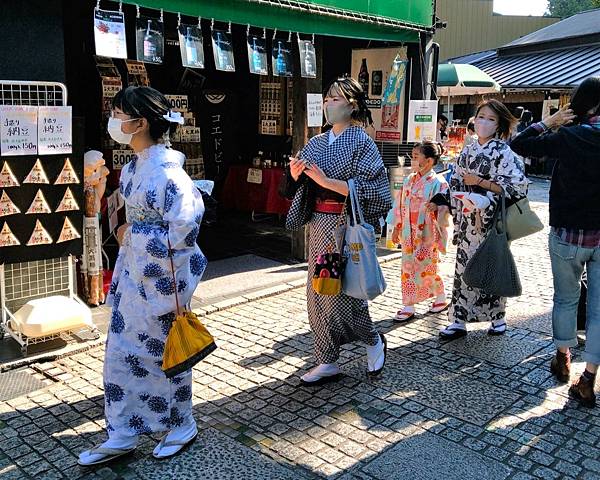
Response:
column 54, row 130
column 18, row 130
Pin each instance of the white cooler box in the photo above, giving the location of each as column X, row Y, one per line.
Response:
column 51, row 315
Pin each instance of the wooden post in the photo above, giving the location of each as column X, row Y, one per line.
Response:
column 301, row 133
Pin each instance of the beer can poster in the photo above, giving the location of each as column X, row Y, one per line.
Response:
column 109, row 34
column 282, row 58
column 223, row 51
column 390, row 104
column 190, row 44
column 308, row 59
column 150, row 40
column 257, row 55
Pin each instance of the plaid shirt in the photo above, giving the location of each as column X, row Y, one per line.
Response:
column 581, row 238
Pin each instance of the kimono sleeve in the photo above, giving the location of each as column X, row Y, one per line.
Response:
column 152, row 245
column 372, row 182
column 510, row 174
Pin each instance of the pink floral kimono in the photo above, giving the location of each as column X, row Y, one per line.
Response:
column 422, row 237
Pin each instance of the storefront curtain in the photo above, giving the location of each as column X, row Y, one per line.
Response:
column 368, row 19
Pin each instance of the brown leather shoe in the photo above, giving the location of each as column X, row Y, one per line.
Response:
column 560, row 366
column 583, row 390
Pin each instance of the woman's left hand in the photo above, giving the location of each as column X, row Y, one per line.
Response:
column 316, row 174
column 121, row 231
column 470, row 179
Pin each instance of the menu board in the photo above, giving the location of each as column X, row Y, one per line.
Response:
column 54, row 130
column 18, row 130
column 109, row 34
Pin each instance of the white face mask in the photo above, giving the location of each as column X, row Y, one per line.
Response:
column 338, row 113
column 485, row 128
column 115, row 132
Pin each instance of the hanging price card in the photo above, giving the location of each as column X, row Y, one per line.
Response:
column 54, row 130
column 18, row 130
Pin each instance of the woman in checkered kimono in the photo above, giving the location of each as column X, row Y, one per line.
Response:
column 320, row 174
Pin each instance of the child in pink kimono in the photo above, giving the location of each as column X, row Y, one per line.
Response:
column 421, row 229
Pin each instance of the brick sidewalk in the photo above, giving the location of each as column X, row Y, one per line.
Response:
column 475, row 408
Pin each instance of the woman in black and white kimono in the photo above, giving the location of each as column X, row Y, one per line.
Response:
column 320, row 174
column 484, row 169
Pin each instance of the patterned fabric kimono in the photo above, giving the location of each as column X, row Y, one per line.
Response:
column 337, row 320
column 422, row 238
column 494, row 161
column 162, row 205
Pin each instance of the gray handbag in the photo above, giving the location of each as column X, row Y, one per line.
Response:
column 521, row 220
column 492, row 268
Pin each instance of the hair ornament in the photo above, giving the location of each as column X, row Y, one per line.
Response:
column 174, row 117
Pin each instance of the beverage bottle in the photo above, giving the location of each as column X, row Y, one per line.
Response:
column 190, row 47
column 222, row 54
column 256, row 58
column 363, row 76
column 149, row 45
column 308, row 63
column 281, row 65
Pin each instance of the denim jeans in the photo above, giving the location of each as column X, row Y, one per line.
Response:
column 568, row 262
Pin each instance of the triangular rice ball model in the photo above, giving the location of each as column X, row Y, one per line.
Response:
column 39, row 204
column 67, row 175
column 37, row 174
column 7, row 237
column 7, row 207
column 68, row 202
column 39, row 236
column 7, row 177
column 68, row 232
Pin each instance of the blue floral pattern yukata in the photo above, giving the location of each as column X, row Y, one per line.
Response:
column 162, row 205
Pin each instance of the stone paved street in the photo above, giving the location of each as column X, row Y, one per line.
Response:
column 476, row 408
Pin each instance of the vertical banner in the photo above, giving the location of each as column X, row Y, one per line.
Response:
column 191, row 46
column 257, row 55
column 282, row 58
column 150, row 40
column 422, row 120
column 18, row 130
column 308, row 59
column 222, row 44
column 392, row 95
column 109, row 34
column 55, row 130
column 314, row 109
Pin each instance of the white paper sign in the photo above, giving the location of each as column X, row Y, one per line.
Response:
column 109, row 34
column 254, row 176
column 314, row 109
column 18, row 131
column 120, row 158
column 54, row 130
column 422, row 120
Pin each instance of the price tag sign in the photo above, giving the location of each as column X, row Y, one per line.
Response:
column 314, row 109
column 120, row 158
column 54, row 130
column 254, row 176
column 18, row 130
column 179, row 103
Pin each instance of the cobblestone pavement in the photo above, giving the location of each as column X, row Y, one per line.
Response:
column 476, row 408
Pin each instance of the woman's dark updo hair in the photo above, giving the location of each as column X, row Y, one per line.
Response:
column 430, row 149
column 586, row 97
column 148, row 103
column 352, row 91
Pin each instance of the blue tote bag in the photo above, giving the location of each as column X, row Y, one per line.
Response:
column 363, row 277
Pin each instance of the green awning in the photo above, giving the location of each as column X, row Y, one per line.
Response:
column 399, row 21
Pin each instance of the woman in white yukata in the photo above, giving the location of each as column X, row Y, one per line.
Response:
column 320, row 173
column 164, row 210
